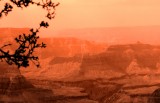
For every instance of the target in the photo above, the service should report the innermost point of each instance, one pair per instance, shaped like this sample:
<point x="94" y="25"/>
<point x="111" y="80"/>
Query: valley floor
<point x="125" y="89"/>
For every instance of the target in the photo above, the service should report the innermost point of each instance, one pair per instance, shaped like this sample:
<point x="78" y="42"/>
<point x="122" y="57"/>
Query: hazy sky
<point x="89" y="13"/>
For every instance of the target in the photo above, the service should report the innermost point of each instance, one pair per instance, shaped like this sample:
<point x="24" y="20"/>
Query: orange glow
<point x="74" y="14"/>
<point x="96" y="51"/>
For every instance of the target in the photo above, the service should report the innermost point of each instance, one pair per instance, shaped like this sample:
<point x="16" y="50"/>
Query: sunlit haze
<point x="94" y="51"/>
<point x="75" y="14"/>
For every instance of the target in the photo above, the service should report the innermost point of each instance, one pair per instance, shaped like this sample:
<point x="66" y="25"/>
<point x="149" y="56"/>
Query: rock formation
<point x="155" y="97"/>
<point x="14" y="88"/>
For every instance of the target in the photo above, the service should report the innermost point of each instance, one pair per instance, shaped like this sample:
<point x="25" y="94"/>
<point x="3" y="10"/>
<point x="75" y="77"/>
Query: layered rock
<point x="69" y="47"/>
<point x="116" y="61"/>
<point x="155" y="96"/>
<point x="15" y="88"/>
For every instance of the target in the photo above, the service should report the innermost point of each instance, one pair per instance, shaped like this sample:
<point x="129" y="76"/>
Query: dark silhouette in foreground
<point x="13" y="86"/>
<point x="155" y="97"/>
<point x="27" y="43"/>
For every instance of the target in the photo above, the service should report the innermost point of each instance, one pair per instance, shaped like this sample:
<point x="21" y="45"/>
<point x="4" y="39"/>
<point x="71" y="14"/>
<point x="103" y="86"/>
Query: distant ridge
<point x="109" y="35"/>
<point x="12" y="32"/>
<point x="116" y="35"/>
<point x="56" y="46"/>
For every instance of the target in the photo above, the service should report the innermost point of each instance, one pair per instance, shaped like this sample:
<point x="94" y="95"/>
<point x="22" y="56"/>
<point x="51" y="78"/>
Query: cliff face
<point x="68" y="47"/>
<point x="12" y="84"/>
<point x="121" y="58"/>
<point x="15" y="88"/>
<point x="60" y="54"/>
<point x="114" y="62"/>
<point x="80" y="71"/>
<point x="62" y="57"/>
<point x="61" y="46"/>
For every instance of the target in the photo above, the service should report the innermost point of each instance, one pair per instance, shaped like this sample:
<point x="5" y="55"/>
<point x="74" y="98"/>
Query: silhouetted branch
<point x="45" y="4"/>
<point x="7" y="8"/>
<point x="26" y="43"/>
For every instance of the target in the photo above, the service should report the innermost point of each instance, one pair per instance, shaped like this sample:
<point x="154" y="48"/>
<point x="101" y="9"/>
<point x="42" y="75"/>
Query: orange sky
<point x="89" y="13"/>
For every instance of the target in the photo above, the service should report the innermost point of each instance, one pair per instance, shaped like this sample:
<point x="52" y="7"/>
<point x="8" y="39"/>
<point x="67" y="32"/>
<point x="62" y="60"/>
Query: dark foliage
<point x="27" y="43"/>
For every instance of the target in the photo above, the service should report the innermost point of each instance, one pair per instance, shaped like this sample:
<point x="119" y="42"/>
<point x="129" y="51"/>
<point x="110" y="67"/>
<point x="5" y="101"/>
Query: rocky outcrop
<point x="116" y="61"/>
<point x="14" y="88"/>
<point x="56" y="46"/>
<point x="134" y="68"/>
<point x="121" y="58"/>
<point x="155" y="97"/>
<point x="69" y="47"/>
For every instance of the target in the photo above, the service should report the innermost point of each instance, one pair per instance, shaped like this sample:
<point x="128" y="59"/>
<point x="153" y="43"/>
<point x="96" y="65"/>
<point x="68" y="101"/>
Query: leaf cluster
<point x="48" y="5"/>
<point x="27" y="43"/>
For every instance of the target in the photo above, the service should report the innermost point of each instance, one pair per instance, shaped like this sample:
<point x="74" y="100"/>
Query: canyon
<point x="75" y="70"/>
